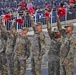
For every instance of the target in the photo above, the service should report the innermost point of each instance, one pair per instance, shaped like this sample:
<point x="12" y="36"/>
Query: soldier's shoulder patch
<point x="42" y="36"/>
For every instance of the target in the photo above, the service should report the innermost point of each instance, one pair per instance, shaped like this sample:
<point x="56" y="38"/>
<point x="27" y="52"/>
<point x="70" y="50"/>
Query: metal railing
<point x="8" y="4"/>
<point x="39" y="17"/>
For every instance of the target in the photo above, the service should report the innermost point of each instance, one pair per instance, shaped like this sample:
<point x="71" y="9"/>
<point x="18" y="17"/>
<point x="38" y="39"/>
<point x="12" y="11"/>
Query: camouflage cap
<point x="69" y="25"/>
<point x="39" y="23"/>
<point x="25" y="28"/>
<point x="55" y="30"/>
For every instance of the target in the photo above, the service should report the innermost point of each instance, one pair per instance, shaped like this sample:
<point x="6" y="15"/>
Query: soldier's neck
<point x="24" y="35"/>
<point x="39" y="31"/>
<point x="69" y="34"/>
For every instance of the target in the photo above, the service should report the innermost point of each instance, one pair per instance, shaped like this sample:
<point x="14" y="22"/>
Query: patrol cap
<point x="39" y="24"/>
<point x="69" y="25"/>
<point x="25" y="28"/>
<point x="55" y="30"/>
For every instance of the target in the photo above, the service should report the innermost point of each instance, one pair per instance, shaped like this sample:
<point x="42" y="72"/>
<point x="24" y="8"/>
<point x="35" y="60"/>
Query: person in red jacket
<point x="72" y="1"/>
<point x="23" y="5"/>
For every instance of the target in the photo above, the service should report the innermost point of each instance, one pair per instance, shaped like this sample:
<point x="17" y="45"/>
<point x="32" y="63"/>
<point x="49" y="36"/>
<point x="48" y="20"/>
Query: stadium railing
<point x="39" y="17"/>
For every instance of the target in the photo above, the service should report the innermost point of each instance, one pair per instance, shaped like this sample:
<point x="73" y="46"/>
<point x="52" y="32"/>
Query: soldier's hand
<point x="57" y="16"/>
<point x="65" y="63"/>
<point x="3" y="21"/>
<point x="24" y="58"/>
<point x="13" y="20"/>
<point x="40" y="57"/>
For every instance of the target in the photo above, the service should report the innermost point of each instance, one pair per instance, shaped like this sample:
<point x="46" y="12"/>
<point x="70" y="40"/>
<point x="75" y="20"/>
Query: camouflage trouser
<point x="54" y="67"/>
<point x="19" y="67"/>
<point x="36" y="66"/>
<point x="10" y="63"/>
<point x="69" y="69"/>
<point x="3" y="64"/>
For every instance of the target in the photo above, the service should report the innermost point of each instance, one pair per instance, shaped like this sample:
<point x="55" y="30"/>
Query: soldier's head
<point x="69" y="28"/>
<point x="57" y="35"/>
<point x="24" y="31"/>
<point x="39" y="27"/>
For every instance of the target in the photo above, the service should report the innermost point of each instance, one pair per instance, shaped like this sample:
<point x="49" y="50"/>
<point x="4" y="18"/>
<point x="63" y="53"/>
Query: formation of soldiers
<point x="15" y="49"/>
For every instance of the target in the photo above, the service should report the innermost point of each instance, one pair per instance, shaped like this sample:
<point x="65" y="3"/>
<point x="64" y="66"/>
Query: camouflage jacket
<point x="2" y="39"/>
<point x="72" y="51"/>
<point x="55" y="43"/>
<point x="10" y="43"/>
<point x="10" y="39"/>
<point x="68" y="47"/>
<point x="38" y="44"/>
<point x="38" y="48"/>
<point x="22" y="47"/>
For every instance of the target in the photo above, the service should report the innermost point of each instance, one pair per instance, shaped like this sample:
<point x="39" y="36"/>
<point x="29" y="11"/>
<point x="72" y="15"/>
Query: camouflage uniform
<point x="63" y="49"/>
<point x="10" y="49"/>
<point x="54" y="53"/>
<point x="22" y="49"/>
<point x="10" y="53"/>
<point x="38" y="50"/>
<point x="3" y="61"/>
<point x="67" y="52"/>
<point x="70" y="56"/>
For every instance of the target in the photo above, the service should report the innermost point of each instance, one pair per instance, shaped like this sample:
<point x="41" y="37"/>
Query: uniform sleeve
<point x="70" y="56"/>
<point x="42" y="40"/>
<point x="12" y="25"/>
<point x="49" y="27"/>
<point x="4" y="31"/>
<point x="28" y="49"/>
<point x="50" y="32"/>
<point x="74" y="43"/>
<point x="59" y="25"/>
<point x="33" y="24"/>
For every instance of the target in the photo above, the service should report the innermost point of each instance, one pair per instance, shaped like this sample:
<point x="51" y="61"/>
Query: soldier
<point x="62" y="48"/>
<point x="54" y="51"/>
<point x="22" y="52"/>
<point x="67" y="49"/>
<point x="3" y="61"/>
<point x="10" y="47"/>
<point x="69" y="60"/>
<point x="38" y="48"/>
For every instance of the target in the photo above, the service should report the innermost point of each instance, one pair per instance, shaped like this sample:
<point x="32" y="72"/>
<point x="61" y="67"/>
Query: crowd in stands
<point x="46" y="4"/>
<point x="23" y="6"/>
